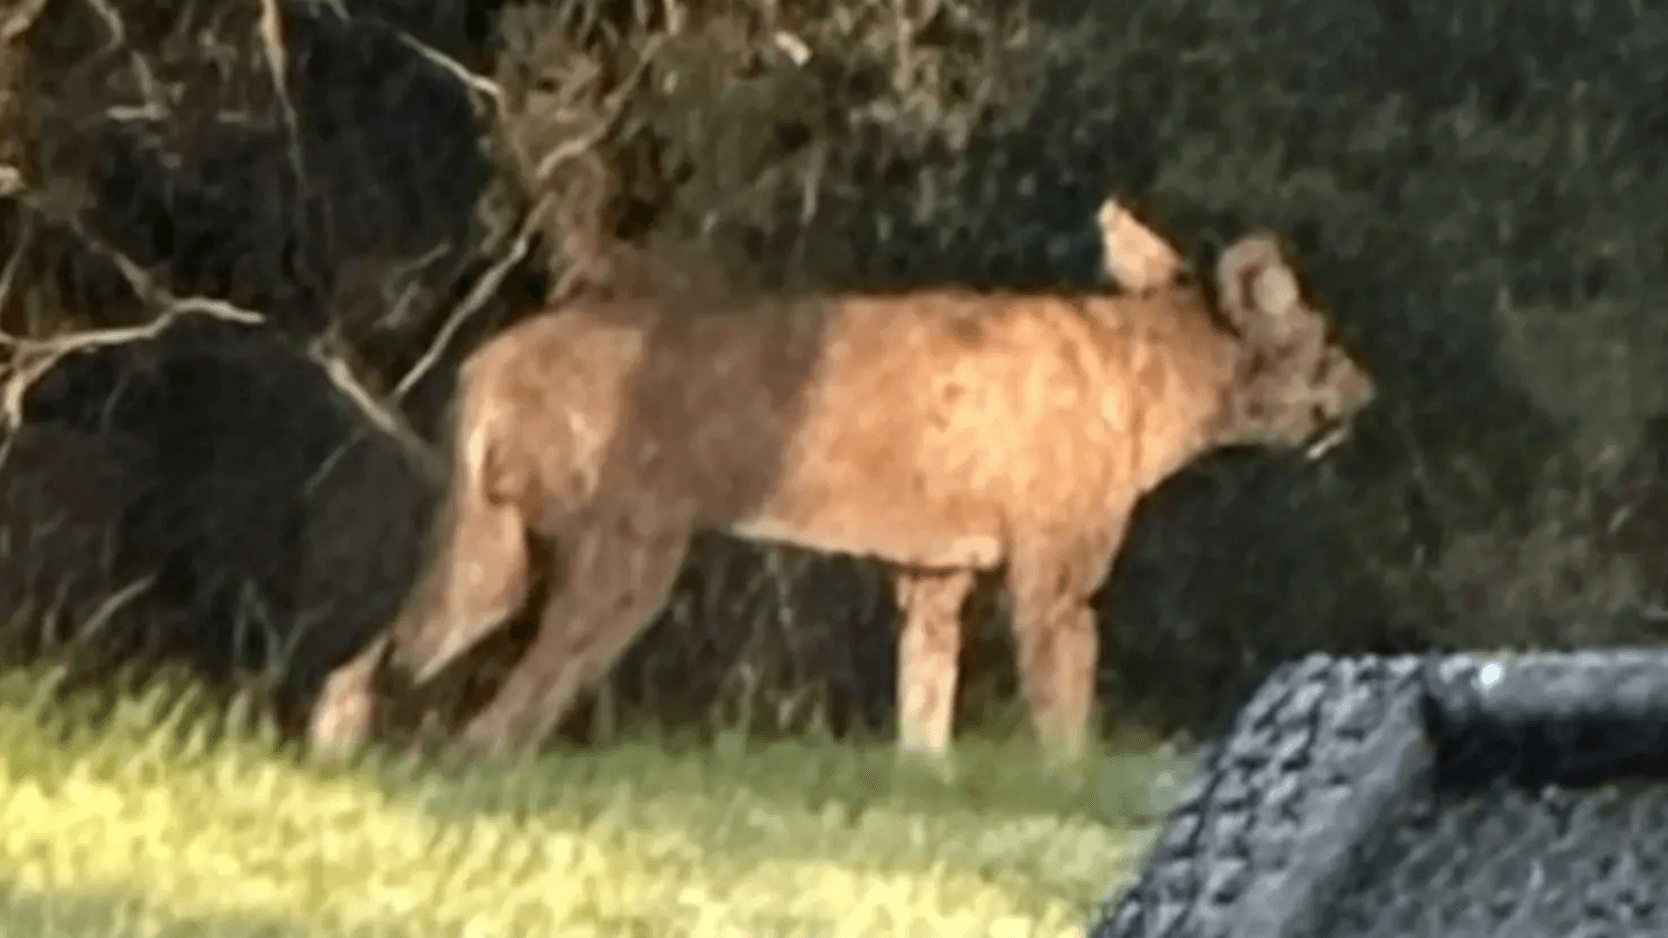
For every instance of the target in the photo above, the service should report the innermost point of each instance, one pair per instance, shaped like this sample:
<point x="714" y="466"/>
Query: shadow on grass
<point x="117" y="913"/>
<point x="990" y="778"/>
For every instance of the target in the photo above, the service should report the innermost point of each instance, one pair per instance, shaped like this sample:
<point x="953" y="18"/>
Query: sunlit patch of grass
<point x="145" y="824"/>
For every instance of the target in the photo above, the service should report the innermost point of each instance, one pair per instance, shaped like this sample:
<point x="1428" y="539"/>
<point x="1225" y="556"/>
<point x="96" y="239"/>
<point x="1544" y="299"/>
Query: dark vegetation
<point x="321" y="207"/>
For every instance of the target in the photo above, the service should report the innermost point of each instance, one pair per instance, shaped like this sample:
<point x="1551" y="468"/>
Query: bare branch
<point x="8" y="277"/>
<point x="21" y="19"/>
<point x="272" y="45"/>
<point x="489" y="281"/>
<point x="480" y="84"/>
<point x="111" y="605"/>
<point x="32" y="358"/>
<point x="613" y="108"/>
<point x="145" y="288"/>
<point x="112" y="21"/>
<point x="386" y="419"/>
<point x="472" y="303"/>
<point x="142" y="75"/>
<point x="130" y="114"/>
<point x="395" y="282"/>
<point x="24" y="360"/>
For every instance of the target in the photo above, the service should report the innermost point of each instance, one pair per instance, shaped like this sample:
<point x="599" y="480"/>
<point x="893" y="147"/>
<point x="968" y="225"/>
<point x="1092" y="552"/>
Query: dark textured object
<point x="60" y="494"/>
<point x="1458" y="796"/>
<point x="364" y="177"/>
<point x="278" y="524"/>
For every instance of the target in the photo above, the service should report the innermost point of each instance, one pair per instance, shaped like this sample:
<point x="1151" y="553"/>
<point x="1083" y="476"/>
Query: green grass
<point x="145" y="825"/>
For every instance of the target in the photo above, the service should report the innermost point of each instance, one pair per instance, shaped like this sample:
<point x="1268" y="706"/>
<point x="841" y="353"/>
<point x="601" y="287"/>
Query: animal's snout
<point x="1352" y="390"/>
<point x="1362" y="391"/>
<point x="1346" y="386"/>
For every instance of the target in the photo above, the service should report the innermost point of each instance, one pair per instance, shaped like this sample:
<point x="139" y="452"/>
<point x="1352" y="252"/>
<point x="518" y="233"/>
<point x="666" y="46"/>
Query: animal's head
<point x="1295" y="385"/>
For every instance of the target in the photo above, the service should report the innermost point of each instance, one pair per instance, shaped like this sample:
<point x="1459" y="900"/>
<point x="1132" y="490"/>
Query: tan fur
<point x="1136" y="258"/>
<point x="943" y="432"/>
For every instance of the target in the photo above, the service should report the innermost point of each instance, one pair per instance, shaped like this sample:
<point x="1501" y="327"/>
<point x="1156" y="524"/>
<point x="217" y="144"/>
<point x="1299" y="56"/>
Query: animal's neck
<point x="1217" y="421"/>
<point x="1243" y="417"/>
<point x="1189" y="394"/>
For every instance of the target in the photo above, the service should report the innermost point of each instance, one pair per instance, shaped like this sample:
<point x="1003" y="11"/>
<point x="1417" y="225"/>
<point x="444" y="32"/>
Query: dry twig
<point x="276" y="56"/>
<point x="21" y="19"/>
<point x="29" y="359"/>
<point x="613" y="108"/>
<point x="493" y="277"/>
<point x="141" y="69"/>
<point x="482" y="291"/>
<point x="24" y="360"/>
<point x="480" y="84"/>
<point x="8" y="276"/>
<point x="387" y="419"/>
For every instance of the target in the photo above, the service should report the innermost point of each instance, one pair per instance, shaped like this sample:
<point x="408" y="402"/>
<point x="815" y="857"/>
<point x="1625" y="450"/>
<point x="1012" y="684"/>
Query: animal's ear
<point x="1257" y="288"/>
<point x="1135" y="257"/>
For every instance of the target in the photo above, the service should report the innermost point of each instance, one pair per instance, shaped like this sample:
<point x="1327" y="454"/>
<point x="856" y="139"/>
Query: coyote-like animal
<point x="943" y="432"/>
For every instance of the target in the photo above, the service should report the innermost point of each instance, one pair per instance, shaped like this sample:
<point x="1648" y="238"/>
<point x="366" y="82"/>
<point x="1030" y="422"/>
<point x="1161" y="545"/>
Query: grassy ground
<point x="144" y="824"/>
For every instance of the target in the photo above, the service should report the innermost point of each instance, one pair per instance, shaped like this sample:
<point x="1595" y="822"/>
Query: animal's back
<point x="539" y="406"/>
<point x="996" y="388"/>
<point x="936" y="423"/>
<point x="635" y="395"/>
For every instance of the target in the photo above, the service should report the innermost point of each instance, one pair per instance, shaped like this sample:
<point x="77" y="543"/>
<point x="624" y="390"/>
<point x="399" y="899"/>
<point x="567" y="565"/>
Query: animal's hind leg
<point x="341" y="717"/>
<point x="928" y="651"/>
<point x="1050" y="581"/>
<point x="619" y="562"/>
<point x="478" y="579"/>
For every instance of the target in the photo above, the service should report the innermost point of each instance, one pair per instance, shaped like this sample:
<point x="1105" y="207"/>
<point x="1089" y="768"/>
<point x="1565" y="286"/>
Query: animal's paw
<point x="341" y="721"/>
<point x="936" y="763"/>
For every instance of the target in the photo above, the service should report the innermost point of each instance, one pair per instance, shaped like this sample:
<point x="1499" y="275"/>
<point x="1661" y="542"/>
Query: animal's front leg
<point x="928" y="648"/>
<point x="620" y="564"/>
<point x="1050" y="580"/>
<point x="478" y="580"/>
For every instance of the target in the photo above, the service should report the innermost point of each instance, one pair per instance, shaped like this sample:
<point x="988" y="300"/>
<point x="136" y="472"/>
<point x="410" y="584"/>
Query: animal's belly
<point x="899" y="536"/>
<point x="880" y="491"/>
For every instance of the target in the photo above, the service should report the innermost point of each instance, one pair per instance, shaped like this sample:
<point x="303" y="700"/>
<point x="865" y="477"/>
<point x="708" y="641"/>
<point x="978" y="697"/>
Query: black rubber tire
<point x="1460" y="796"/>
